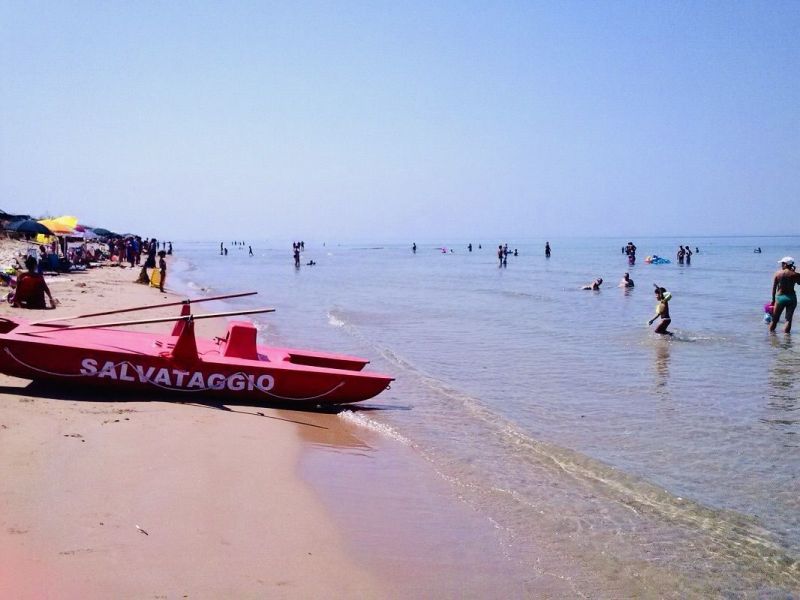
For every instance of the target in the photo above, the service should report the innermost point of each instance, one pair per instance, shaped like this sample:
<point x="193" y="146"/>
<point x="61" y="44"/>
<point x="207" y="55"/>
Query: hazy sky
<point x="403" y="120"/>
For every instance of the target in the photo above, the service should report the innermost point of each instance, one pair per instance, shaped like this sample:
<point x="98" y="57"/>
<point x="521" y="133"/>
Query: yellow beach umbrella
<point x="57" y="226"/>
<point x="68" y="221"/>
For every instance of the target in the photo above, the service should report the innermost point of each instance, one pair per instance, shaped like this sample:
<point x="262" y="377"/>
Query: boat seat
<point x="241" y="341"/>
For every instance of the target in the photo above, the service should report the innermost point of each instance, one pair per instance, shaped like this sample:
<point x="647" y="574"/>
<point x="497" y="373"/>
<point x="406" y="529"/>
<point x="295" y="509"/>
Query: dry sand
<point x="108" y="497"/>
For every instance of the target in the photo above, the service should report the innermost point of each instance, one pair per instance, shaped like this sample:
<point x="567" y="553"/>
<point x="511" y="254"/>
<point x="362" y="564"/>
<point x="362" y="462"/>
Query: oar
<point x="135" y="308"/>
<point x="164" y="319"/>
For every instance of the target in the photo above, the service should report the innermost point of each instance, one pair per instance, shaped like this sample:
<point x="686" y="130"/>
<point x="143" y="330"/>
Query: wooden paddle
<point x="135" y="308"/>
<point x="163" y="319"/>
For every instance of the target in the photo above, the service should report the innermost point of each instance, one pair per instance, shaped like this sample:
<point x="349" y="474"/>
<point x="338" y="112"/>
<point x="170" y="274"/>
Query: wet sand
<point x="126" y="496"/>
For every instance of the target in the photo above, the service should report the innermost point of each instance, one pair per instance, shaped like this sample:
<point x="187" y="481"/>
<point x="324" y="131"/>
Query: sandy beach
<point x="142" y="498"/>
<point x="137" y="497"/>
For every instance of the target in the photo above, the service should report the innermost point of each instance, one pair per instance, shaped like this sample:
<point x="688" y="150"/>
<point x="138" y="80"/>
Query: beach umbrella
<point x="67" y="221"/>
<point x="56" y="226"/>
<point x="103" y="232"/>
<point x="28" y="226"/>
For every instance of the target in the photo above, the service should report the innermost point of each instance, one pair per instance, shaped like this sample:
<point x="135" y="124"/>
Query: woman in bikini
<point x="783" y="294"/>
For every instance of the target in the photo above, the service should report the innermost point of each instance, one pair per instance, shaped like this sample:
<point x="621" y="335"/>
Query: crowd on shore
<point x="26" y="263"/>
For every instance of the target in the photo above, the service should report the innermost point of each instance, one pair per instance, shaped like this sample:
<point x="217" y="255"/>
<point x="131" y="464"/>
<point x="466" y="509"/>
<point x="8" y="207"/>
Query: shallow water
<point x="556" y="411"/>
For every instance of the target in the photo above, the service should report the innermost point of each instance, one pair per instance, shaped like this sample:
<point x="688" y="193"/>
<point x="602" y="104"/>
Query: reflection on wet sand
<point x="662" y="349"/>
<point x="784" y="393"/>
<point x="328" y="432"/>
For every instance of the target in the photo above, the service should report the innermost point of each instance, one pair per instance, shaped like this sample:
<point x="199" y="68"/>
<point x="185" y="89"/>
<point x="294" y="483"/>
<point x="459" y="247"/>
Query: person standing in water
<point x="783" y="294"/>
<point x="162" y="266"/>
<point x="626" y="282"/>
<point x="547" y="249"/>
<point x="688" y="255"/>
<point x="250" y="250"/>
<point x="662" y="310"/>
<point x="414" y="247"/>
<point x="681" y="255"/>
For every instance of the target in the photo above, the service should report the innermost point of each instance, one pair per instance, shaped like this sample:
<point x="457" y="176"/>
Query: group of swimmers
<point x="662" y="296"/>
<point x="685" y="254"/>
<point x="784" y="297"/>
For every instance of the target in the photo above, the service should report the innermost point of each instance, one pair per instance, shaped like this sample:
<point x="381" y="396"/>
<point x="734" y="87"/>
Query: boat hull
<point x="147" y="362"/>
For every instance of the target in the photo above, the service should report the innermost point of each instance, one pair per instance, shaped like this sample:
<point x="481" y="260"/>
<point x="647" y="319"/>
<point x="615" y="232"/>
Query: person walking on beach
<point x="250" y="250"/>
<point x="783" y="294"/>
<point x="547" y="249"/>
<point x="162" y="266"/>
<point x="662" y="310"/>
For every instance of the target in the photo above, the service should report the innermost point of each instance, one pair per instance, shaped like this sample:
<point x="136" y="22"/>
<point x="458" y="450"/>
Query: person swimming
<point x="595" y="285"/>
<point x="662" y="310"/>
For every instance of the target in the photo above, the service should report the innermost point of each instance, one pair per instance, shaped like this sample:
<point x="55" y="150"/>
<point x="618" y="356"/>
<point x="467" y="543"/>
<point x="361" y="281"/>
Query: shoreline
<point x="216" y="490"/>
<point x="398" y="518"/>
<point x="126" y="496"/>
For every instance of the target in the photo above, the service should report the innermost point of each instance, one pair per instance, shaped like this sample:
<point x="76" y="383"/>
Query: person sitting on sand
<point x="595" y="285"/>
<point x="783" y="294"/>
<point x="662" y="310"/>
<point x="626" y="282"/>
<point x="32" y="288"/>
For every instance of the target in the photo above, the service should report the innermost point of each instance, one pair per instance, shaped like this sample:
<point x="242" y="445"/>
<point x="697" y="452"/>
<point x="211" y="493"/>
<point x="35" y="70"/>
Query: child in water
<point x="662" y="310"/>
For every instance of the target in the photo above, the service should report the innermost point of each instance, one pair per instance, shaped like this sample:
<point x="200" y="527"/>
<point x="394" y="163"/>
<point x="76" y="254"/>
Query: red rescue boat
<point x="234" y="367"/>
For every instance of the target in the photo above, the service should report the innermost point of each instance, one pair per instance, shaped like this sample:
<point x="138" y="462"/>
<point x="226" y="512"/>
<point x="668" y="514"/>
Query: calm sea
<point x="557" y="412"/>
